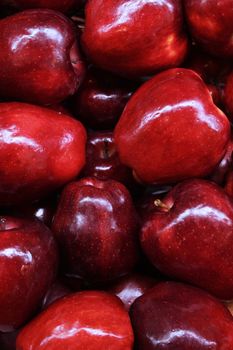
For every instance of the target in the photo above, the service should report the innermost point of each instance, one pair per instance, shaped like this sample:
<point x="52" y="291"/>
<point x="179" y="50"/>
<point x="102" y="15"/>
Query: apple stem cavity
<point x="160" y="205"/>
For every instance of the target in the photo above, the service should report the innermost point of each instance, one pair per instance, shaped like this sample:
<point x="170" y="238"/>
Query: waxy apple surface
<point x="211" y="24"/>
<point x="168" y="132"/>
<point x="40" y="60"/>
<point x="64" y="6"/>
<point x="174" y="316"/>
<point x="86" y="320"/>
<point x="40" y="150"/>
<point x="96" y="227"/>
<point x="28" y="265"/>
<point x="134" y="38"/>
<point x="191" y="239"/>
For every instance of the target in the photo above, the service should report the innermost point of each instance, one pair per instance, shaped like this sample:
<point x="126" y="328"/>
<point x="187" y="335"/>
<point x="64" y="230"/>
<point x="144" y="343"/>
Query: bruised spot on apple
<point x="174" y="316"/>
<point x="171" y="130"/>
<point x="40" y="150"/>
<point x="40" y="61"/>
<point x="134" y="38"/>
<point x="28" y="265"/>
<point x="192" y="240"/>
<point x="85" y="320"/>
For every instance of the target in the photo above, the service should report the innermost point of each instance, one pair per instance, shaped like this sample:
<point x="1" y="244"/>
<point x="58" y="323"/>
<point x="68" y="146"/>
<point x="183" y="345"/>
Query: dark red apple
<point x="102" y="160"/>
<point x="174" y="316"/>
<point x="101" y="99"/>
<point x="222" y="170"/>
<point x="131" y="287"/>
<point x="65" y="6"/>
<point x="228" y="96"/>
<point x="86" y="320"/>
<point x="28" y="264"/>
<point x="57" y="291"/>
<point x="40" y="60"/>
<point x="134" y="38"/>
<point x="229" y="183"/>
<point x="40" y="150"/>
<point x="211" y="24"/>
<point x="192" y="238"/>
<point x="168" y="133"/>
<point x="96" y="226"/>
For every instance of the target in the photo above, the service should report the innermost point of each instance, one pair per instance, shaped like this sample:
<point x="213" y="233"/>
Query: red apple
<point x="222" y="170"/>
<point x="101" y="99"/>
<point x="40" y="150"/>
<point x="96" y="227"/>
<point x="173" y="316"/>
<point x="65" y="6"/>
<point x="28" y="264"/>
<point x="192" y="238"/>
<point x="134" y="38"/>
<point x="40" y="60"/>
<point x="57" y="291"/>
<point x="211" y="24"/>
<point x="102" y="160"/>
<point x="131" y="287"/>
<point x="168" y="133"/>
<point x="86" y="320"/>
<point x="228" y="96"/>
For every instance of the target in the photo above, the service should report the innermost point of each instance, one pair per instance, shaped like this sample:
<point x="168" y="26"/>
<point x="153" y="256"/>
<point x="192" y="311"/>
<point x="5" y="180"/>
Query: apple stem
<point x="159" y="204"/>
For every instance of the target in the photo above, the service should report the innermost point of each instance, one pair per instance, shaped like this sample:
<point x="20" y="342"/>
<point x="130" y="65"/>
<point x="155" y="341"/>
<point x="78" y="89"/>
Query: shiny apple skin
<point x="211" y="24"/>
<point x="101" y="99"/>
<point x="102" y="160"/>
<point x="40" y="61"/>
<point x="131" y="287"/>
<point x="193" y="239"/>
<point x="57" y="291"/>
<point x="174" y="316"/>
<point x="64" y="6"/>
<point x="28" y="265"/>
<point x="85" y="320"/>
<point x="173" y="126"/>
<point x="40" y="150"/>
<point x="134" y="38"/>
<point x="96" y="227"/>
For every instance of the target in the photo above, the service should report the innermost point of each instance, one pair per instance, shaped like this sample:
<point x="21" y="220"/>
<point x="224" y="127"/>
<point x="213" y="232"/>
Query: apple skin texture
<point x="64" y="6"/>
<point x="171" y="130"/>
<point x="83" y="321"/>
<point x="174" y="316"/>
<point x="211" y="25"/>
<point x="192" y="240"/>
<point x="115" y="30"/>
<point x="96" y="227"/>
<point x="28" y="266"/>
<point x="40" y="150"/>
<point x="40" y="60"/>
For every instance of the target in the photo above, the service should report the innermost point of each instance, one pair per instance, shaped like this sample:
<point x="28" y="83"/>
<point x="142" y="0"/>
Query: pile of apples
<point x="116" y="175"/>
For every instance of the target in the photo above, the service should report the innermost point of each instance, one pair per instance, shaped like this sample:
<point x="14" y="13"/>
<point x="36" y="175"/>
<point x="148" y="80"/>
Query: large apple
<point x="134" y="38"/>
<point x="40" y="150"/>
<point x="191" y="239"/>
<point x="40" y="60"/>
<point x="171" y="130"/>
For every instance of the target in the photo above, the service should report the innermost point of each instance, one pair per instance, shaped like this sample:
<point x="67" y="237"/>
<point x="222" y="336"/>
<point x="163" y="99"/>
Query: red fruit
<point x="57" y="291"/>
<point x="211" y="24"/>
<point x="134" y="38"/>
<point x="40" y="60"/>
<point x="165" y="131"/>
<point x="173" y="316"/>
<point x="28" y="263"/>
<point x="193" y="239"/>
<point x="224" y="167"/>
<point x="40" y="150"/>
<point x="228" y="96"/>
<point x="86" y="320"/>
<point x="96" y="226"/>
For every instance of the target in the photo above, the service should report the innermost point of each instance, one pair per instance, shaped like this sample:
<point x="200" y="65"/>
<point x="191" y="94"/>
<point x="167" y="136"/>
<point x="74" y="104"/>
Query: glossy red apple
<point x="40" y="150"/>
<point x="28" y="264"/>
<point x="191" y="239"/>
<point x="86" y="320"/>
<point x="174" y="316"/>
<point x="131" y="287"/>
<point x="102" y="160"/>
<point x="165" y="131"/>
<point x="57" y="291"/>
<point x="96" y="227"/>
<point x="40" y="60"/>
<point x="134" y="38"/>
<point x="65" y="6"/>
<point x="101" y="99"/>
